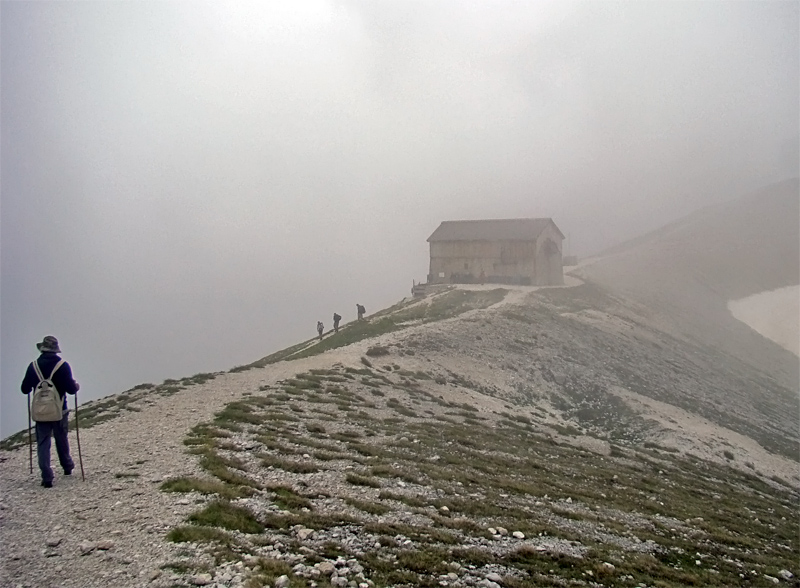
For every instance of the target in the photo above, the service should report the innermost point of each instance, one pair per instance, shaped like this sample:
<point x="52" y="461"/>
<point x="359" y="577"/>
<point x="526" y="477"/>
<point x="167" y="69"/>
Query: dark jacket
<point x="62" y="380"/>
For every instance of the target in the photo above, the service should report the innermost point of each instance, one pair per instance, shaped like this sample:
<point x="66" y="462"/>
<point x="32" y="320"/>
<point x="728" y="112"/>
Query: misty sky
<point x="187" y="187"/>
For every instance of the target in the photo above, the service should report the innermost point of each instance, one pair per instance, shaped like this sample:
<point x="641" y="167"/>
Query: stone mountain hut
<point x="524" y="251"/>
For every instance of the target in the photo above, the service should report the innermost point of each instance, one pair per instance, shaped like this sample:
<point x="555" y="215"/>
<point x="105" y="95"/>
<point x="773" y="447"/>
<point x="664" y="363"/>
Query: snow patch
<point x="774" y="314"/>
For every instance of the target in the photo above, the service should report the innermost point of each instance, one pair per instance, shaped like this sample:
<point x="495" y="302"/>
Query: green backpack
<point x="47" y="404"/>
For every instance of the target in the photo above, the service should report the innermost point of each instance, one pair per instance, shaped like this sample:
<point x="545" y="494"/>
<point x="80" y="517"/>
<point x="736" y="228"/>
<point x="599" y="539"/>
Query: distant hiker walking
<point x="361" y="310"/>
<point x="320" y="328"/>
<point x="50" y="379"/>
<point x="336" y="319"/>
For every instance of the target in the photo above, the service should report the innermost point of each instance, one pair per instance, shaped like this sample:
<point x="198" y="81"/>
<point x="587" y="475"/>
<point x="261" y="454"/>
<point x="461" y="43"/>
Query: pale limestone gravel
<point x="130" y="511"/>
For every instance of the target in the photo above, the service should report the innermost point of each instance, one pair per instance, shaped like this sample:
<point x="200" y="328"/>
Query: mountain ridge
<point x="585" y="435"/>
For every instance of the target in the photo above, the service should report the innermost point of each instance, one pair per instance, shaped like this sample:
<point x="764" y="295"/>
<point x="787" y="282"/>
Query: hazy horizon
<point x="187" y="187"/>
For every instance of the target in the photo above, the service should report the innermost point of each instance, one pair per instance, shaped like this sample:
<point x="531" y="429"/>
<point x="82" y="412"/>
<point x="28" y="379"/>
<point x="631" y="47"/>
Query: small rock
<point x="304" y="534"/>
<point x="105" y="544"/>
<point x="53" y="541"/>
<point x="494" y="577"/>
<point x="518" y="535"/>
<point x="609" y="567"/>
<point x="282" y="581"/>
<point x="326" y="568"/>
<point x="772" y="579"/>
<point x="492" y="531"/>
<point x="502" y="531"/>
<point x="444" y="509"/>
<point x="86" y="547"/>
<point x="786" y="574"/>
<point x="201" y="579"/>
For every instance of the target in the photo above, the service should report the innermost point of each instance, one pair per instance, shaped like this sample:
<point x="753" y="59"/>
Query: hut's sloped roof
<point x="514" y="229"/>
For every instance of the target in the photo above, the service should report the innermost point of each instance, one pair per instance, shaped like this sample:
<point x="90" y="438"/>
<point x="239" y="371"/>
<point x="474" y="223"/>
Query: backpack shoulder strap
<point x="37" y="369"/>
<point x="55" y="369"/>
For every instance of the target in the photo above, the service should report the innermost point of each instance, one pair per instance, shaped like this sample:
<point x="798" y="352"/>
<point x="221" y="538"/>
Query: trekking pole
<point x="30" y="439"/>
<point x="78" y="437"/>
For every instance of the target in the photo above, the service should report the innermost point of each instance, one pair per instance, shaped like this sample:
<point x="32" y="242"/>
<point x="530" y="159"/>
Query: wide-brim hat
<point x="49" y="344"/>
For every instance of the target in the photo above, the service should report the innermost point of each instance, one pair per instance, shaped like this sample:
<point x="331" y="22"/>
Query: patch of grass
<point x="238" y="413"/>
<point x="197" y="534"/>
<point x="373" y="508"/>
<point x="347" y="435"/>
<point x="415" y="501"/>
<point x="388" y="471"/>
<point x="358" y="480"/>
<point x="217" y="466"/>
<point x="293" y="466"/>
<point x="198" y="379"/>
<point x="288" y="499"/>
<point x="189" y="484"/>
<point x="221" y="513"/>
<point x="377" y="351"/>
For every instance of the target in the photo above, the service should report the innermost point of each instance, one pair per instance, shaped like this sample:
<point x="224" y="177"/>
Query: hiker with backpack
<point x="360" y="310"/>
<point x="320" y="328"/>
<point x="336" y="319"/>
<point x="50" y="379"/>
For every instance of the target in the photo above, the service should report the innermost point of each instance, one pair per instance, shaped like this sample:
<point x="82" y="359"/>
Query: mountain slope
<point x="589" y="435"/>
<point x="494" y="447"/>
<point x="689" y="271"/>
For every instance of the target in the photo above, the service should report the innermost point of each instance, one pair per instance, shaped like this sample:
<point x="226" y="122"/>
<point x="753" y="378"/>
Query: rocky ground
<point x="557" y="437"/>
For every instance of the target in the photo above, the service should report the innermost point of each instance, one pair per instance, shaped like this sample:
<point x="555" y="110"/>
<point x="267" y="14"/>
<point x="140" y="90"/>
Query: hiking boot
<point x="68" y="472"/>
<point x="47" y="484"/>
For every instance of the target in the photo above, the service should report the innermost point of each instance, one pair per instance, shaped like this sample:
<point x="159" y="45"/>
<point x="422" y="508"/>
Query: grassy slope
<point x="416" y="495"/>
